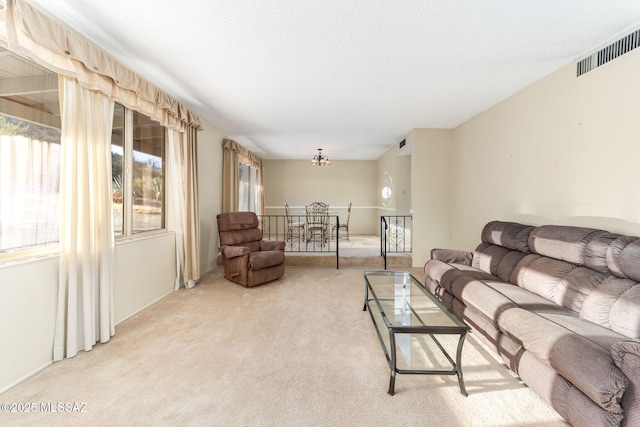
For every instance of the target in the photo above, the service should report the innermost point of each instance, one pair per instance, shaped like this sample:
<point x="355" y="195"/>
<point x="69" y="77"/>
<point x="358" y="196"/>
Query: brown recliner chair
<point x="247" y="259"/>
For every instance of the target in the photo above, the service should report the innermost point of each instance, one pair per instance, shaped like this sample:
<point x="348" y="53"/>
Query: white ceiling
<point x="285" y="77"/>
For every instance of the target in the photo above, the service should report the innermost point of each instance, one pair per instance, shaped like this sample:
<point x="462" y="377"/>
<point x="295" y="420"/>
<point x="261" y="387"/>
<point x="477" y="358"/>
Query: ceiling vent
<point x="610" y="52"/>
<point x="403" y="143"/>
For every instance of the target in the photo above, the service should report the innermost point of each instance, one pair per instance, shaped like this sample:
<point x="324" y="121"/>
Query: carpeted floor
<point x="296" y="352"/>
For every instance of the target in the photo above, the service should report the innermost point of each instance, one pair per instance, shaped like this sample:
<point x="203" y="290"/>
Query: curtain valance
<point x="53" y="44"/>
<point x="244" y="155"/>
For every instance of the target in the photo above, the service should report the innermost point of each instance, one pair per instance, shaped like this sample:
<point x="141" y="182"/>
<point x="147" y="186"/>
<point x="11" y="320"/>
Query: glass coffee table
<point x="415" y="329"/>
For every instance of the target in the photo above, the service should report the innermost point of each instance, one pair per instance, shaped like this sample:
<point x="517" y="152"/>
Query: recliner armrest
<point x="272" y="245"/>
<point x="235" y="251"/>
<point x="452" y="256"/>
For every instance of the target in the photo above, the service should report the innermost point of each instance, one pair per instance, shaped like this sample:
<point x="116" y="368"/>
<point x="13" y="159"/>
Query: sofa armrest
<point x="626" y="355"/>
<point x="235" y="251"/>
<point x="272" y="245"/>
<point x="452" y="256"/>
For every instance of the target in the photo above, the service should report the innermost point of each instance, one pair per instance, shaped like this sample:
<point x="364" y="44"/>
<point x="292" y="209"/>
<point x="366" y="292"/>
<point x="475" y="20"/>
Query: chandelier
<point x="320" y="159"/>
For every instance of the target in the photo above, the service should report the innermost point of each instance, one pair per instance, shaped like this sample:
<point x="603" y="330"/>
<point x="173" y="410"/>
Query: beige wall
<point x="564" y="151"/>
<point x="28" y="295"/>
<point x="387" y="172"/>
<point x="209" y="192"/>
<point x="403" y="185"/>
<point x="298" y="183"/>
<point x="431" y="191"/>
<point x="144" y="272"/>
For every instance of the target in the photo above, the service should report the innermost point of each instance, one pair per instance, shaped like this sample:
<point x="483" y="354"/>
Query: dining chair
<point x="335" y="230"/>
<point x="295" y="227"/>
<point x="317" y="221"/>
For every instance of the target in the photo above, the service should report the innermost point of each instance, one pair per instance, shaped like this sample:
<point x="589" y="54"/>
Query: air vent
<point x="403" y="143"/>
<point x="610" y="52"/>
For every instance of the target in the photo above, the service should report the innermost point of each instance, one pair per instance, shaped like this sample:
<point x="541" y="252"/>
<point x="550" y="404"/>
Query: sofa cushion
<point x="564" y="283"/>
<point x="483" y="299"/>
<point x="583" y="363"/>
<point x="595" y="253"/>
<point x="600" y="336"/>
<point x="510" y="235"/>
<point x="563" y="396"/>
<point x="487" y="332"/>
<point x="528" y="300"/>
<point x="441" y="293"/>
<point x="623" y="256"/>
<point x="445" y="274"/>
<point x="496" y="260"/>
<point x="562" y="242"/>
<point x="626" y="354"/>
<point x="615" y="304"/>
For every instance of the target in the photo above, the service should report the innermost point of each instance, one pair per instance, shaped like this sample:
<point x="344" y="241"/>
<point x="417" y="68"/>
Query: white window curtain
<point x="29" y="170"/>
<point x="181" y="158"/>
<point x="85" y="295"/>
<point x="85" y="309"/>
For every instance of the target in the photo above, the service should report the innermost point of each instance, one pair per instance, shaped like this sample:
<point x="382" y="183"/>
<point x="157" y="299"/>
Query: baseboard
<point x="144" y="307"/>
<point x="27" y="376"/>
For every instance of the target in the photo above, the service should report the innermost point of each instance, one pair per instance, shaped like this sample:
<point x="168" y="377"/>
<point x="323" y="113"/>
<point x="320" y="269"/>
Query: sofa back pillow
<point x="567" y="243"/>
<point x="615" y="304"/>
<point x="595" y="253"/>
<point x="503" y="245"/>
<point x="564" y="283"/>
<point x="496" y="260"/>
<point x="510" y="235"/>
<point x="623" y="257"/>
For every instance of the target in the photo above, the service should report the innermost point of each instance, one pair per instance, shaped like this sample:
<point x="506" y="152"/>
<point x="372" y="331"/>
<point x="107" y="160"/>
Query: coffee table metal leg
<point x="366" y="297"/>
<point x="392" y="349"/>
<point x="463" y="390"/>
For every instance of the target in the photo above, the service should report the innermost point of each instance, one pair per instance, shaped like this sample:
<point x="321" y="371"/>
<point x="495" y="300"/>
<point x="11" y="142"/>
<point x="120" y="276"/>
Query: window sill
<point x="142" y="236"/>
<point x="10" y="259"/>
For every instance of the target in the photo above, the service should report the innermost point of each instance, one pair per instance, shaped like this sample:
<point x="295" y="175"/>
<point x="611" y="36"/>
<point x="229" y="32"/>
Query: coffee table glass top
<point x="422" y="334"/>
<point x="405" y="302"/>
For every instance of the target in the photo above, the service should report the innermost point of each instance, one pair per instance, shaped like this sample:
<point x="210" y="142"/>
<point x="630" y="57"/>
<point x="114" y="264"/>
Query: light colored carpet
<point x="296" y="352"/>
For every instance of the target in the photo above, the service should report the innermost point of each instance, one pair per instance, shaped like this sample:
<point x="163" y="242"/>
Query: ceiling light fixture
<point x="320" y="159"/>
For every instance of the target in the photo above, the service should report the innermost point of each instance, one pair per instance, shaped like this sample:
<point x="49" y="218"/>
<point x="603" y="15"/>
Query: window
<point x="30" y="162"/>
<point x="138" y="162"/>
<point x="29" y="155"/>
<point x="117" y="173"/>
<point x="247" y="188"/>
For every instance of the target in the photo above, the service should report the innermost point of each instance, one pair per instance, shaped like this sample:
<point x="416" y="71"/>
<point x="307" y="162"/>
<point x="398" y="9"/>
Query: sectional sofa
<point x="561" y="306"/>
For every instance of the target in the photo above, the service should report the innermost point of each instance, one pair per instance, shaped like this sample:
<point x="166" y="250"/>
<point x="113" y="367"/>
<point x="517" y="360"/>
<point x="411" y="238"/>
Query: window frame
<point x="127" y="169"/>
<point x="28" y="253"/>
<point x="252" y="188"/>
